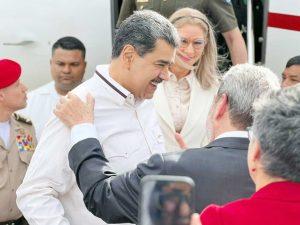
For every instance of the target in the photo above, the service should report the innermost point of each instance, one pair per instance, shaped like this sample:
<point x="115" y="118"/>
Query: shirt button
<point x="10" y="210"/>
<point x="13" y="190"/>
<point x="10" y="170"/>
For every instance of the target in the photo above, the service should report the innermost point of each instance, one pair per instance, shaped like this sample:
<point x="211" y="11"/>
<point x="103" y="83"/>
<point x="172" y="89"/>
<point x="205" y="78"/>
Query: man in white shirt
<point x="219" y="169"/>
<point x="125" y="121"/>
<point x="67" y="69"/>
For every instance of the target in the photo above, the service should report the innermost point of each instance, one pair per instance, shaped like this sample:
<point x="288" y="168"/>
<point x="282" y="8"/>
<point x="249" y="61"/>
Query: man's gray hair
<point x="277" y="128"/>
<point x="142" y="30"/>
<point x="243" y="84"/>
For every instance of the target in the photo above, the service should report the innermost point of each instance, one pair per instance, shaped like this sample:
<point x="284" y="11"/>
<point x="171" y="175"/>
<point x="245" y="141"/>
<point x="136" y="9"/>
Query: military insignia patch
<point x="24" y="142"/>
<point x="22" y="119"/>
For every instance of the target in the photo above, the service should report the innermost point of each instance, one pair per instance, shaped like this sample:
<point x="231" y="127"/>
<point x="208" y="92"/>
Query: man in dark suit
<point x="219" y="169"/>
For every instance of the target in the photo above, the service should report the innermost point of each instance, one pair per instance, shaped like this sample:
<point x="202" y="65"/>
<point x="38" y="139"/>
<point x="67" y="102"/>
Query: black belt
<point x="20" y="221"/>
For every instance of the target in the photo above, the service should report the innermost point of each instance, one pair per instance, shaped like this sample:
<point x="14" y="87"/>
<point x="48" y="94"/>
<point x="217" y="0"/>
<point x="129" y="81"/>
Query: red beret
<point x="10" y="72"/>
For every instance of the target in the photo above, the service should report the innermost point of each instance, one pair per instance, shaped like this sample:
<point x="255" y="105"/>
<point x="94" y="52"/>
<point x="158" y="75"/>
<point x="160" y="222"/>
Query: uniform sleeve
<point x="127" y="8"/>
<point x="211" y="215"/>
<point x="48" y="176"/>
<point x="222" y="14"/>
<point x="112" y="197"/>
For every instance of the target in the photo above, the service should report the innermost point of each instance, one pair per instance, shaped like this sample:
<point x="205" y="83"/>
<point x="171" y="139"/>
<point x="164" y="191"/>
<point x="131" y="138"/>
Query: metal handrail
<point x="250" y="34"/>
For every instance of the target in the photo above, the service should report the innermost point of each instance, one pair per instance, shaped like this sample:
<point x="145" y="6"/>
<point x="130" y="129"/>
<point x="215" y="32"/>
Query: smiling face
<point x="67" y="69"/>
<point x="148" y="71"/>
<point x="192" y="43"/>
<point x="291" y="76"/>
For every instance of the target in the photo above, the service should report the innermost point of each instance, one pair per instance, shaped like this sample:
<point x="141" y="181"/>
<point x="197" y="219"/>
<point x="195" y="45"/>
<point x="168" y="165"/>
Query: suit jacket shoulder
<point x="219" y="170"/>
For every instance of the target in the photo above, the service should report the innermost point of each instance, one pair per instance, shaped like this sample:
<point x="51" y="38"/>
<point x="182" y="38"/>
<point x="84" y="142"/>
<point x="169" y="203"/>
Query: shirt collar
<point x="242" y="134"/>
<point x="4" y="124"/>
<point x="14" y="124"/>
<point x="48" y="89"/>
<point x="125" y="97"/>
<point x="189" y="78"/>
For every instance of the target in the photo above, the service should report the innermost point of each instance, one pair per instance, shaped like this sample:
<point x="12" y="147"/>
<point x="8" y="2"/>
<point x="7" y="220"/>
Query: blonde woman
<point x="183" y="102"/>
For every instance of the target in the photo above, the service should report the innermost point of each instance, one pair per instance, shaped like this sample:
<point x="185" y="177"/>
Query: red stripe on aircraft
<point x="284" y="21"/>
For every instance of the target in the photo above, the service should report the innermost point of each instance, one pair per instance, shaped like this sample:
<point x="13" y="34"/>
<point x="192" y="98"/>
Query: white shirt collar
<point x="241" y="134"/>
<point x="125" y="95"/>
<point x="189" y="78"/>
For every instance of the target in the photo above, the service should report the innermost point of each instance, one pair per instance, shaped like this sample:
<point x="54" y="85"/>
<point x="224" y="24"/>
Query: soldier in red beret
<point x="17" y="141"/>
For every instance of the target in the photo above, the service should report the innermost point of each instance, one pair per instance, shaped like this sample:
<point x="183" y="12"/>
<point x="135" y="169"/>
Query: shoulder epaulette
<point x="22" y="119"/>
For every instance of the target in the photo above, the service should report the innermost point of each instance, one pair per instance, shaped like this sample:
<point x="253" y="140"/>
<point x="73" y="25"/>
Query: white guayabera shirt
<point x="128" y="131"/>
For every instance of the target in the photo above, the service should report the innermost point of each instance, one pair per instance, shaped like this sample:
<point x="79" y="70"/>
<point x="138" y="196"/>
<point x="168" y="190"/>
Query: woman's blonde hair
<point x="206" y="69"/>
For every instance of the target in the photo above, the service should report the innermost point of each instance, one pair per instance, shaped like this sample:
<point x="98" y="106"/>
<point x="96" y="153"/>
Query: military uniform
<point x="220" y="12"/>
<point x="14" y="161"/>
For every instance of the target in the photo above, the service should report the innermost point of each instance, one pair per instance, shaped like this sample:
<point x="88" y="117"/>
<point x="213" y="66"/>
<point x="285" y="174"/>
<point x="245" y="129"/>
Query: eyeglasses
<point x="197" y="44"/>
<point x="250" y="133"/>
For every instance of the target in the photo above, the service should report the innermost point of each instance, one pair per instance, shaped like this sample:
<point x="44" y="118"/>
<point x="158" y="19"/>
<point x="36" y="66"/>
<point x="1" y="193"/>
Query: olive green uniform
<point x="14" y="161"/>
<point x="220" y="12"/>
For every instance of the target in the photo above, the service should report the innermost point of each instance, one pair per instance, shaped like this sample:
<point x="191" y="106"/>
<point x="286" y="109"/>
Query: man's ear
<point x="127" y="56"/>
<point x="255" y="155"/>
<point x="254" y="158"/>
<point x="221" y="107"/>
